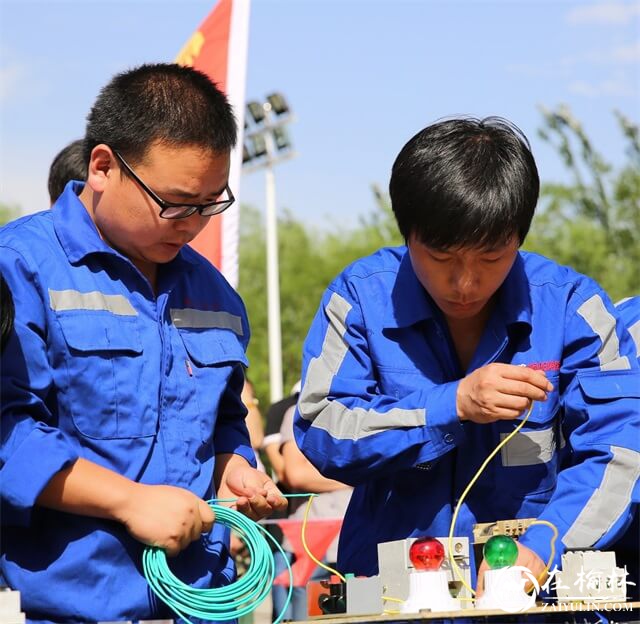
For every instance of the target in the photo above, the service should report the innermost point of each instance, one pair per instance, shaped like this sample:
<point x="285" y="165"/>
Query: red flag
<point x="219" y="49"/>
<point x="322" y="533"/>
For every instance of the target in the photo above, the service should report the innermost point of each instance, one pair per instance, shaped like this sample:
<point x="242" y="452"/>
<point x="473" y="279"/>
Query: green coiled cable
<point x="231" y="601"/>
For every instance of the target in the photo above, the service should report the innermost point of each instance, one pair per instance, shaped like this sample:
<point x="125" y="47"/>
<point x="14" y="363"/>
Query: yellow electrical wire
<point x="454" y="565"/>
<point x="552" y="554"/>
<point x="390" y="599"/>
<point x="306" y="548"/>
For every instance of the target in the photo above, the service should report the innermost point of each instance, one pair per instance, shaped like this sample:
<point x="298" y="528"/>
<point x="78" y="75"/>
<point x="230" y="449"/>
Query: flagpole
<point x="219" y="48"/>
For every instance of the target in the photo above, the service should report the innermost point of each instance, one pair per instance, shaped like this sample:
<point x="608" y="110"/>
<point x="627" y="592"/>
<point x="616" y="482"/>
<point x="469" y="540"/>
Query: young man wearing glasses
<point x="121" y="408"/>
<point x="422" y="358"/>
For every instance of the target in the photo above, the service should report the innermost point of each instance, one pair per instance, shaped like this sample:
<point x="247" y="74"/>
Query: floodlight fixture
<point x="259" y="145"/>
<point x="246" y="154"/>
<point x="278" y="104"/>
<point x="281" y="138"/>
<point x="257" y="111"/>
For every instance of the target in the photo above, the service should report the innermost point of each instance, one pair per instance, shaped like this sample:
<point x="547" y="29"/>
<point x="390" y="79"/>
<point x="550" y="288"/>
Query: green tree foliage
<point x="593" y="223"/>
<point x="8" y="212"/>
<point x="308" y="262"/>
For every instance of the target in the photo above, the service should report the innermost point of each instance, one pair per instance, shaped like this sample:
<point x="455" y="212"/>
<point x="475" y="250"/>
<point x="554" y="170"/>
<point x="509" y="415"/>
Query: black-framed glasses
<point x="180" y="210"/>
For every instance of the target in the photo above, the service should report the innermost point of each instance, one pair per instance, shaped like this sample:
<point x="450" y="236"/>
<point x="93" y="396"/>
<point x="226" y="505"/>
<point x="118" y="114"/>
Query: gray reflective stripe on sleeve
<point x="608" y="502"/>
<point x="66" y="300"/>
<point x="206" y="319"/>
<point x="634" y="330"/>
<point x="528" y="448"/>
<point x="602" y="322"/>
<point x="336" y="419"/>
<point x="313" y="396"/>
<point x="343" y="423"/>
<point x="619" y="303"/>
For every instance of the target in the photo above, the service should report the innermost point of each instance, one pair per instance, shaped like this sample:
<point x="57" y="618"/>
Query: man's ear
<point x="102" y="167"/>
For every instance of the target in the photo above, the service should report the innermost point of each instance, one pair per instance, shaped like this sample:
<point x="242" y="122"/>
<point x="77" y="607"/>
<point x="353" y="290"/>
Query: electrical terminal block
<point x="590" y="576"/>
<point x="512" y="528"/>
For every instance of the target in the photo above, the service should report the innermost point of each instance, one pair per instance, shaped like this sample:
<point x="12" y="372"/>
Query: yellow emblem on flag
<point x="191" y="49"/>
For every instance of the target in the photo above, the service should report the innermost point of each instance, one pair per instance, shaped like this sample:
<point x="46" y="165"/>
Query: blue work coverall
<point x="629" y="311"/>
<point x="99" y="367"/>
<point x="378" y="409"/>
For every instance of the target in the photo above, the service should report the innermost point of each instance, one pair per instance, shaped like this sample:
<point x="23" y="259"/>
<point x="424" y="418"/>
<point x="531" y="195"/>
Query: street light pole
<point x="273" y="277"/>
<point x="266" y="151"/>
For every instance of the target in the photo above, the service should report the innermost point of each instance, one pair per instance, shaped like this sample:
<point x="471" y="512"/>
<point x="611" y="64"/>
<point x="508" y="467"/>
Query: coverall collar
<point x="78" y="234"/>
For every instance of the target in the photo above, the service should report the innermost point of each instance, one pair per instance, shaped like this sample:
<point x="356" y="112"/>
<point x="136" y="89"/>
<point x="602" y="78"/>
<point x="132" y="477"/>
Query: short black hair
<point x="163" y="102"/>
<point x="7" y="313"/>
<point x="465" y="182"/>
<point x="69" y="164"/>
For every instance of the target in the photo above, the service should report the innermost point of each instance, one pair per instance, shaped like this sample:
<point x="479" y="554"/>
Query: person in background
<point x="256" y="434"/>
<point x="253" y="419"/>
<point x="272" y="442"/>
<point x="121" y="385"/>
<point x="272" y="449"/>
<point x="68" y="164"/>
<point x="331" y="503"/>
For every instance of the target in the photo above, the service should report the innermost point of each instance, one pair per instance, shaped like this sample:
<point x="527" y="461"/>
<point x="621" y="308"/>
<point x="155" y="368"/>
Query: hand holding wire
<point x="239" y="597"/>
<point x="499" y="392"/>
<point x="255" y="494"/>
<point x="167" y="517"/>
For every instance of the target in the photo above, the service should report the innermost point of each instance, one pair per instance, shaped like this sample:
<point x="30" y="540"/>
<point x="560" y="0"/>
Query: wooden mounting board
<point x="624" y="611"/>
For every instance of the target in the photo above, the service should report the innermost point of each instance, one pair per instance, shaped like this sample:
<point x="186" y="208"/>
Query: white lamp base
<point x="504" y="589"/>
<point x="429" y="590"/>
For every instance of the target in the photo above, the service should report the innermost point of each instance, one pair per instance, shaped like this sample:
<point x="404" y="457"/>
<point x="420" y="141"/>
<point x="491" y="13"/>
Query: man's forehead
<point x="160" y="149"/>
<point x="482" y="248"/>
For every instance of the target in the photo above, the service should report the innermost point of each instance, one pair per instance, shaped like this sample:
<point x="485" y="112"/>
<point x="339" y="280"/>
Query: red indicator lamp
<point x="426" y="553"/>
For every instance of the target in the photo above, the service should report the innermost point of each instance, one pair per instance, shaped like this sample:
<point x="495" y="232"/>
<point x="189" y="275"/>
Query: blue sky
<point x="362" y="76"/>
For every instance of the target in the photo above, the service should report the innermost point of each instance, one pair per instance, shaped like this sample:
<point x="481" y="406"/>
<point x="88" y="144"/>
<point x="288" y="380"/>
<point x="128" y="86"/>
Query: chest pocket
<point x="213" y="355"/>
<point x="529" y="461"/>
<point x="398" y="383"/>
<point x="104" y="367"/>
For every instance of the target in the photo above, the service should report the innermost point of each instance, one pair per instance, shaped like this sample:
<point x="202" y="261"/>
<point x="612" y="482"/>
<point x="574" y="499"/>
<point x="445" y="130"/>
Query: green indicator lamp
<point x="500" y="551"/>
